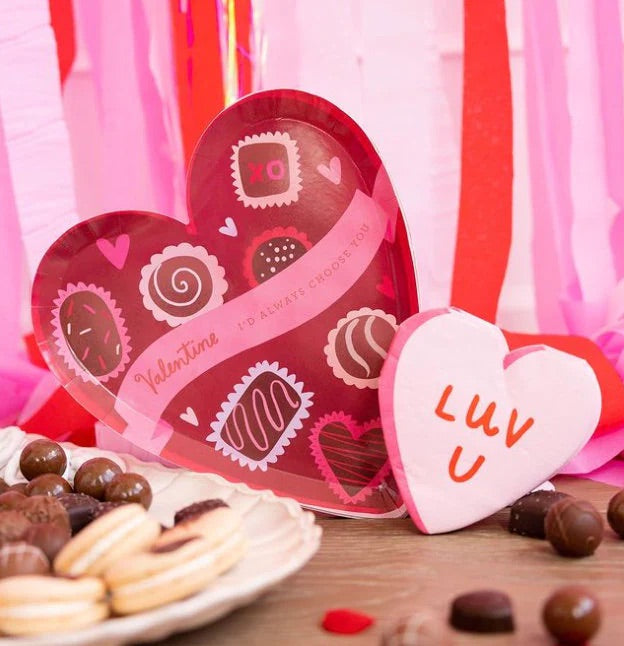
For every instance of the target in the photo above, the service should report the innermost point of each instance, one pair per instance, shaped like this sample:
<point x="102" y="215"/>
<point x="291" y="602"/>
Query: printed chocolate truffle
<point x="129" y="487"/>
<point x="22" y="558"/>
<point x="615" y="513"/>
<point x="572" y="616"/>
<point x="42" y="456"/>
<point x="94" y="475"/>
<point x="48" y="484"/>
<point x="484" y="611"/>
<point x="574" y="527"/>
<point x="45" y="509"/>
<point x="358" y="346"/>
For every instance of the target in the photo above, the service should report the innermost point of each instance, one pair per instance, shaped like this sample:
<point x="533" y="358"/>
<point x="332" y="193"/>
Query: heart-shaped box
<point x="471" y="426"/>
<point x="223" y="345"/>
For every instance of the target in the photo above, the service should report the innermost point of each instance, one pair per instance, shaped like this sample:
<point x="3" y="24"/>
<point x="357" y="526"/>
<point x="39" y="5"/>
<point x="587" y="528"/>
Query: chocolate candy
<point x="529" y="512"/>
<point x="94" y="475"/>
<point x="129" y="487"/>
<point x="419" y="629"/>
<point x="45" y="509"/>
<point x="484" y="611"/>
<point x="198" y="508"/>
<point x="12" y="525"/>
<point x="615" y="513"/>
<point x="572" y="616"/>
<point x="22" y="558"/>
<point x="3" y="486"/>
<point x="80" y="509"/>
<point x="42" y="456"/>
<point x="19" y="487"/>
<point x="47" y="537"/>
<point x="48" y="484"/>
<point x="105" y="507"/>
<point x="11" y="500"/>
<point x="574" y="527"/>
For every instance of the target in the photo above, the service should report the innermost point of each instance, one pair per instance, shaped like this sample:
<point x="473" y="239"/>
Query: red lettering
<point x="512" y="435"/>
<point x="484" y="420"/>
<point x="275" y="164"/>
<point x="478" y="463"/>
<point x="439" y="411"/>
<point x="256" y="172"/>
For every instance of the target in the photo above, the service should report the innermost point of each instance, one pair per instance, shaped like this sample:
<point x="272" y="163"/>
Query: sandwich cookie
<point x="169" y="572"/>
<point x="33" y="604"/>
<point x="121" y="532"/>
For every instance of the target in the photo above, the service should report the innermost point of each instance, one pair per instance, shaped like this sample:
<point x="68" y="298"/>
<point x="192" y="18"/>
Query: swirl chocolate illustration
<point x="89" y="331"/>
<point x="272" y="252"/>
<point x="358" y="346"/>
<point x="182" y="282"/>
<point x="261" y="416"/>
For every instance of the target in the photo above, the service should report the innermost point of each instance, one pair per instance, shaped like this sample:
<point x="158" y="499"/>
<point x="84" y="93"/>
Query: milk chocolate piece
<point x="19" y="487"/>
<point x="48" y="484"/>
<point x="94" y="475"/>
<point x="484" y="611"/>
<point x="4" y="486"/>
<point x="11" y="500"/>
<point x="22" y="558"/>
<point x="42" y="456"/>
<point x="45" y="509"/>
<point x="80" y="509"/>
<point x="529" y="512"/>
<point x="572" y="616"/>
<point x="198" y="508"/>
<point x="129" y="487"/>
<point x="574" y="527"/>
<point x="49" y="538"/>
<point x="13" y="524"/>
<point x="615" y="513"/>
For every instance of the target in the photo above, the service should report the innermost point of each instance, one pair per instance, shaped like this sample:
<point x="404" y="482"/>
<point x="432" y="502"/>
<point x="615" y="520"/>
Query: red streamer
<point x="62" y="20"/>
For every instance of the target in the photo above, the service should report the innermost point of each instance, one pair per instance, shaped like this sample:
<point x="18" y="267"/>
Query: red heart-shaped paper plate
<point x="248" y="343"/>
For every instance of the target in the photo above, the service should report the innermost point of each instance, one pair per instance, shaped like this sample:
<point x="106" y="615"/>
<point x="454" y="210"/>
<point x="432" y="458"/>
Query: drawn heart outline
<point x="470" y="427"/>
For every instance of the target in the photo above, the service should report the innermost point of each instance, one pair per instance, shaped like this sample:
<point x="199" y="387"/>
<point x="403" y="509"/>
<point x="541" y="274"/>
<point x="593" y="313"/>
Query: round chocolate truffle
<point x="80" y="508"/>
<point x="21" y="558"/>
<point x="572" y="616"/>
<point x="574" y="527"/>
<point x="94" y="475"/>
<point x="12" y="525"/>
<point x="11" y="500"/>
<point x="48" y="484"/>
<point x="42" y="456"/>
<point x="615" y="513"/>
<point x="483" y="611"/>
<point x="45" y="509"/>
<point x="129" y="487"/>
<point x="49" y="538"/>
<point x="419" y="629"/>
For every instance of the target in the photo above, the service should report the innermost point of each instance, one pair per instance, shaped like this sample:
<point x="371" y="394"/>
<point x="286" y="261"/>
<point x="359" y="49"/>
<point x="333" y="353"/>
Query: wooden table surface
<point x="386" y="569"/>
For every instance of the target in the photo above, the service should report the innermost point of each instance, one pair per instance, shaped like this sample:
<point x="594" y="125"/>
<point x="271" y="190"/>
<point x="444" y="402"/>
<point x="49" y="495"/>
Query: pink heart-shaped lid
<point x="250" y="342"/>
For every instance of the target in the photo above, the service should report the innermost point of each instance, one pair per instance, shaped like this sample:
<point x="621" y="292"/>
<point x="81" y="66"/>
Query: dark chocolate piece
<point x="94" y="475"/>
<point x="484" y="611"/>
<point x="22" y="558"/>
<point x="574" y="527"/>
<point x="13" y="524"/>
<point x="48" y="484"/>
<point x="615" y="513"/>
<point x="42" y="456"/>
<point x="49" y="538"/>
<point x="80" y="509"/>
<point x="572" y="616"/>
<point x="129" y="487"/>
<point x="528" y="514"/>
<point x="105" y="507"/>
<point x="198" y="508"/>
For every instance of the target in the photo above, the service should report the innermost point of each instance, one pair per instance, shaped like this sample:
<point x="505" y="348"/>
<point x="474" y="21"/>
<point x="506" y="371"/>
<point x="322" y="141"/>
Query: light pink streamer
<point x="140" y="162"/>
<point x="549" y="158"/>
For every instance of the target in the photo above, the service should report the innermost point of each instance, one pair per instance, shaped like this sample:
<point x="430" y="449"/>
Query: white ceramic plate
<point x="282" y="538"/>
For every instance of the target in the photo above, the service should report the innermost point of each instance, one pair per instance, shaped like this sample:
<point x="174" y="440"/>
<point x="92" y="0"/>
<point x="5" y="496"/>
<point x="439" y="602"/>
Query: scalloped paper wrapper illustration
<point x="248" y="343"/>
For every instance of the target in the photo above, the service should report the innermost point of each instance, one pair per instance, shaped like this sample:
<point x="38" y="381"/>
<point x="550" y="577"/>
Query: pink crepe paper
<point x="549" y="157"/>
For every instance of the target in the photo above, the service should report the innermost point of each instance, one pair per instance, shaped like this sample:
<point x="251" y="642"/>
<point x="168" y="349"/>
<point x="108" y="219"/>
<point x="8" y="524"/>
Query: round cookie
<point x="121" y="532"/>
<point x="50" y="604"/>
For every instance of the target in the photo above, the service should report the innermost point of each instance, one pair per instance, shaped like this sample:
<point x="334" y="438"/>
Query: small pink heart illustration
<point x="470" y="426"/>
<point x="117" y="252"/>
<point x="229" y="229"/>
<point x="333" y="172"/>
<point x="352" y="457"/>
<point x="189" y="416"/>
